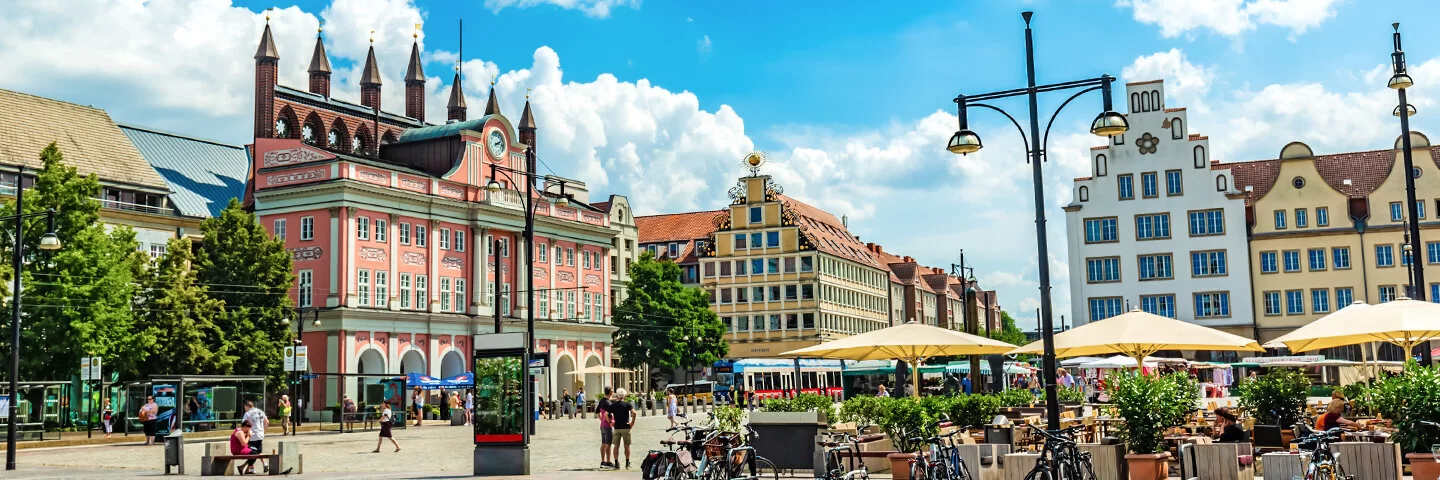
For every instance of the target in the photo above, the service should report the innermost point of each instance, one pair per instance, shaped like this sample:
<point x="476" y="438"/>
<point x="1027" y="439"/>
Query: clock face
<point x="495" y="142"/>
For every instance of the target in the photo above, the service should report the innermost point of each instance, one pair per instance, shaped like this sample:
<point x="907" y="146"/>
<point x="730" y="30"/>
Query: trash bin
<point x="175" y="452"/>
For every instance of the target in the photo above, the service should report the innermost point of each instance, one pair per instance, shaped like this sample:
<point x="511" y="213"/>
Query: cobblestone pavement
<point x="563" y="448"/>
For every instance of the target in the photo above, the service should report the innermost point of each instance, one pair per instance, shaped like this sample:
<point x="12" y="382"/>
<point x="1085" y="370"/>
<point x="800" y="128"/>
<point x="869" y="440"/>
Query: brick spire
<point x="320" y="68"/>
<point x="527" y="124"/>
<point x="267" y="71"/>
<point x="455" y="109"/>
<point x="415" y="85"/>
<point x="492" y="106"/>
<point x="370" y="80"/>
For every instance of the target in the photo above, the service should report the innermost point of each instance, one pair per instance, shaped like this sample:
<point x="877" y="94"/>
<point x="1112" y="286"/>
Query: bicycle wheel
<point x="962" y="472"/>
<point x="1040" y="472"/>
<point x="764" y="468"/>
<point x="937" y="471"/>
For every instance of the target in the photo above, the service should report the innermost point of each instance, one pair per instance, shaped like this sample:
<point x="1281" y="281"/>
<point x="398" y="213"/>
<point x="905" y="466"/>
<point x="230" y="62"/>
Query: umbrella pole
<point x="915" y="378"/>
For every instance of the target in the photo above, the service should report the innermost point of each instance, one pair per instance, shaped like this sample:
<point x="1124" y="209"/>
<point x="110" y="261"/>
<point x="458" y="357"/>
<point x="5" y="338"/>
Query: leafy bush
<point x="974" y="410"/>
<point x="1360" y="397"/>
<point x="863" y="410"/>
<point x="1275" y="398"/>
<point x="728" y="418"/>
<point x="1150" y="404"/>
<point x="805" y="402"/>
<point x="904" y="419"/>
<point x="1016" y="397"/>
<point x="1321" y="390"/>
<point x="1070" y="394"/>
<point x="1408" y="398"/>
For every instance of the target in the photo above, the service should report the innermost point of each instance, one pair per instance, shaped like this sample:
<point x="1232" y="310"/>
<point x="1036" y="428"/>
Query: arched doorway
<point x="452" y="364"/>
<point x="563" y="379"/>
<point x="368" y="391"/>
<point x="412" y="362"/>
<point x="594" y="382"/>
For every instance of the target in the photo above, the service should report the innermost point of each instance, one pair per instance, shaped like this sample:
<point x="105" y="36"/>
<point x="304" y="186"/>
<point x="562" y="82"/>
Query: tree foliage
<point x="251" y="272"/>
<point x="659" y="314"/>
<point x="184" y="320"/>
<point x="1008" y="332"/>
<point x="77" y="300"/>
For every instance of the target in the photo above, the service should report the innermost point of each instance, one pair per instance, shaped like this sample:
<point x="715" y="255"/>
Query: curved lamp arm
<point x="1023" y="138"/>
<point x="1045" y="143"/>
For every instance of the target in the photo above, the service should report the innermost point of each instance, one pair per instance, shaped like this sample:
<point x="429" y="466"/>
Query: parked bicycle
<point x="1324" y="463"/>
<point x="942" y="461"/>
<point x="847" y="445"/>
<point x="1061" y="458"/>
<point x="706" y="453"/>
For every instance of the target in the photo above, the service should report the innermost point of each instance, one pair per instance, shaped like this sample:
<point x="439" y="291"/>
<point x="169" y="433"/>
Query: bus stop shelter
<point x="194" y="403"/>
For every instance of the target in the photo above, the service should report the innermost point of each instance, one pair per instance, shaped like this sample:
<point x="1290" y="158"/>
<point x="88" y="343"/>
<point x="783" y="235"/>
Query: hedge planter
<point x="1148" y="466"/>
<point x="781" y="437"/>
<point x="900" y="465"/>
<point x="1423" y="466"/>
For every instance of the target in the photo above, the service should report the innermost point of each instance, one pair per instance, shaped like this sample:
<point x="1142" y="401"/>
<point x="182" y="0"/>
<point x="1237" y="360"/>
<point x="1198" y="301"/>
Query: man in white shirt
<point x="258" y="423"/>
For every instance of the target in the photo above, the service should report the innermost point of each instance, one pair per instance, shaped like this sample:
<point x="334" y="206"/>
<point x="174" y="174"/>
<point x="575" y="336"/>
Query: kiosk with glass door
<point x="501" y="437"/>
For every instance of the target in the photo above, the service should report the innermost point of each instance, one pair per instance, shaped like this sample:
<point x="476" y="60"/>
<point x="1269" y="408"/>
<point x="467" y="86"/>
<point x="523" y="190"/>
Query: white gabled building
<point x="1155" y="227"/>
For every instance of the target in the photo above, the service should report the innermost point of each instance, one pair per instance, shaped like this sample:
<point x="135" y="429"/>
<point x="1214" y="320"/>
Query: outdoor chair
<point x="1267" y="438"/>
<point x="1217" y="461"/>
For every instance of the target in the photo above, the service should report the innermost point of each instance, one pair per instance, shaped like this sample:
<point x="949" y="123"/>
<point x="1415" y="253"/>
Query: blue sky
<point x="659" y="100"/>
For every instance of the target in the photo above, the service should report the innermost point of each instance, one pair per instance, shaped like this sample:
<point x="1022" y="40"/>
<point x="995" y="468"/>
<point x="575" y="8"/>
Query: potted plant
<point x="1407" y="399"/>
<point x="1276" y="398"/>
<point x="801" y="417"/>
<point x="903" y="419"/>
<point x="1150" y="404"/>
<point x="1070" y="395"/>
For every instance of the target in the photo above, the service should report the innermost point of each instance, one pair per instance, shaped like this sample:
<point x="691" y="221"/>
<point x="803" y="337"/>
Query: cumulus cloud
<point x="1230" y="17"/>
<point x="1185" y="83"/>
<point x="593" y="8"/>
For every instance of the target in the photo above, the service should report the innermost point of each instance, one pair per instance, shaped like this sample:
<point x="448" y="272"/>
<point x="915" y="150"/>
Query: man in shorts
<point x="607" y="430"/>
<point x="622" y="417"/>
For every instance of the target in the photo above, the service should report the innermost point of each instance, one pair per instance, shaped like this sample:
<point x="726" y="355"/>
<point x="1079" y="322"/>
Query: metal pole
<point x="18" y="254"/>
<point x="496" y="294"/>
<point x="1052" y="405"/>
<point x="1418" y="280"/>
<point x="529" y="276"/>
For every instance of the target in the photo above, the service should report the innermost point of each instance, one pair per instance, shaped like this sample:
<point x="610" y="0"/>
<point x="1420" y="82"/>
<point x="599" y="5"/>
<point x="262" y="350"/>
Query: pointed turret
<point x="370" y="81"/>
<point x="415" y="85"/>
<point x="267" y="72"/>
<point x="527" y="125"/>
<point x="455" y="108"/>
<point x="320" y="68"/>
<point x="492" y="106"/>
<point x="267" y="51"/>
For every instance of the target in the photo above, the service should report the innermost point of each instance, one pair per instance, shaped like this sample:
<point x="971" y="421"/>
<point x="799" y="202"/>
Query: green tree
<point x="1008" y="332"/>
<point x="251" y="272"/>
<point x="660" y="313"/>
<point x="184" y="321"/>
<point x="77" y="300"/>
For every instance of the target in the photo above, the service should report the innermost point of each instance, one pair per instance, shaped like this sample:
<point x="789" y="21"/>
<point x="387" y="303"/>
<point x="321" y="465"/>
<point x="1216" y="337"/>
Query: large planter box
<point x="1107" y="460"/>
<point x="1423" y="466"/>
<point x="781" y="437"/>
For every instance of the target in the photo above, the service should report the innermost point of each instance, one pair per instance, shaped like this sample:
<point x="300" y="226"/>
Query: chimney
<point x="908" y="259"/>
<point x="845" y="221"/>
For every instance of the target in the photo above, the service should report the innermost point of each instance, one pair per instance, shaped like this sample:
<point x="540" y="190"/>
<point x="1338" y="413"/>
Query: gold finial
<point x="492" y="80"/>
<point x="372" y="36"/>
<point x="267" y="15"/>
<point x="457" y="65"/>
<point x="416" y="33"/>
<point x="320" y="28"/>
<point x="527" y="93"/>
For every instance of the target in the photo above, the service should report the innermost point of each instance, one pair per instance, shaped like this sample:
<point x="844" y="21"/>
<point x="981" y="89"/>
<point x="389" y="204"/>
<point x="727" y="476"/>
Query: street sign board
<point x="95" y="368"/>
<point x="89" y="368"/>
<point x="295" y="359"/>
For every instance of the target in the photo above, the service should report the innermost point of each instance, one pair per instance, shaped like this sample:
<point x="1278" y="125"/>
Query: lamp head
<point x="1409" y="110"/>
<point x="50" y="241"/>
<point x="1109" y="123"/>
<point x="493" y="186"/>
<point x="964" y="142"/>
<point x="1400" y="80"/>
<point x="563" y="201"/>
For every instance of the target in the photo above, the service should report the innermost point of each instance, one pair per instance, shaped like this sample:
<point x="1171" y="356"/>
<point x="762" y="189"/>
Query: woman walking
<point x="283" y="407"/>
<point x="387" y="418"/>
<point x="107" y="417"/>
<point x="671" y="407"/>
<point x="470" y="405"/>
<point x="419" y="405"/>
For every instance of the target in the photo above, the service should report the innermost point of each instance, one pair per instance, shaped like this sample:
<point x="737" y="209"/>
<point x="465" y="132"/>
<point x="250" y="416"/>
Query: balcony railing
<point x="107" y="203"/>
<point x="505" y="198"/>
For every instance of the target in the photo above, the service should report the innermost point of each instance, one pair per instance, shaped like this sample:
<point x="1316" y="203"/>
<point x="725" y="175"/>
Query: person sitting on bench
<point x="240" y="445"/>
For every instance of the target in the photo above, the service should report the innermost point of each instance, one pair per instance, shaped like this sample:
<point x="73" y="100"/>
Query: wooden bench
<point x="222" y="464"/>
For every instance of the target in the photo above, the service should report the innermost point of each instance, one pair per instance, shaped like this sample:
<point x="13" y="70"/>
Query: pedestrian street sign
<point x="90" y="368"/>
<point x="296" y="360"/>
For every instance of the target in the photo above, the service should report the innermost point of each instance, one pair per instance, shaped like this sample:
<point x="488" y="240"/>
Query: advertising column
<point x="501" y="440"/>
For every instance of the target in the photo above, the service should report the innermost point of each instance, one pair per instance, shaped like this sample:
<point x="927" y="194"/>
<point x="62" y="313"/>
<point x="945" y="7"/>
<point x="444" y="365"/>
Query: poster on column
<point x="166" y="420"/>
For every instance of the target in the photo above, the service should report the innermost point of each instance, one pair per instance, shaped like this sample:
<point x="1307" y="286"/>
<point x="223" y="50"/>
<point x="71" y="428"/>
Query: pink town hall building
<point x="394" y="236"/>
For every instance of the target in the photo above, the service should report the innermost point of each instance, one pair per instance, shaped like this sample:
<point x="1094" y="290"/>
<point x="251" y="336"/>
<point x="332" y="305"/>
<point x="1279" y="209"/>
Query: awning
<point x="464" y="380"/>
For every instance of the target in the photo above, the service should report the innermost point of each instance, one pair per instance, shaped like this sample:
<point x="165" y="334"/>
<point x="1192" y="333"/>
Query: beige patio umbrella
<point x="1403" y="322"/>
<point x="599" y="369"/>
<point x="911" y="342"/>
<point x="1137" y="334"/>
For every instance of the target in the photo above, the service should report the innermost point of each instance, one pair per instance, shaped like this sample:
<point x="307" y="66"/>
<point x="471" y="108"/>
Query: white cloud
<point x="1185" y="83"/>
<point x="704" y="46"/>
<point x="593" y="8"/>
<point x="1230" y="17"/>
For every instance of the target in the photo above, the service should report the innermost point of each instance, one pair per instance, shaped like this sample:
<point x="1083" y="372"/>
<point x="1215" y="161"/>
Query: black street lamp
<point x="1107" y="124"/>
<point x="563" y="200"/>
<point x="1401" y="81"/>
<point x="48" y="241"/>
<point x="295" y="413"/>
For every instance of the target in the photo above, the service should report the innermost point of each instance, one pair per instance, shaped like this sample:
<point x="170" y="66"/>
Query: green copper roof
<point x="440" y="131"/>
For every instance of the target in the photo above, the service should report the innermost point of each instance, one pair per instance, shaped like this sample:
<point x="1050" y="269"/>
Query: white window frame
<point x="362" y="287"/>
<point x="280" y="226"/>
<point x="307" y="228"/>
<point x="422" y="292"/>
<point x="304" y="289"/>
<point x="444" y="294"/>
<point x="505" y="299"/>
<point x="444" y="238"/>
<point x="382" y="232"/>
<point x="569" y="257"/>
<point x="382" y="288"/>
<point x="542" y="252"/>
<point x="404" y="233"/>
<point x="460" y="295"/>
<point x="459" y="240"/>
<point x="420" y="232"/>
<point x="405" y="290"/>
<point x="362" y="228"/>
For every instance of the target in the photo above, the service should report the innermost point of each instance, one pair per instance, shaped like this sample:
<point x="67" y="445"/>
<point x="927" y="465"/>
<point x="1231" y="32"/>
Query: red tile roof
<point x="1259" y="175"/>
<point x="1172" y="110"/>
<point x="674" y="227"/>
<point x="1365" y="171"/>
<point x="828" y="234"/>
<point x="601" y="206"/>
